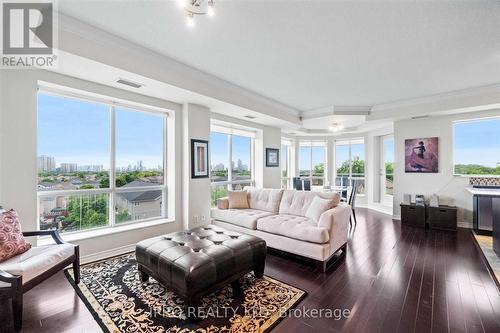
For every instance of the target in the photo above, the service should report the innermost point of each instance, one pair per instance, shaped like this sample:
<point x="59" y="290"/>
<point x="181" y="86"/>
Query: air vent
<point x="250" y="117"/>
<point x="129" y="83"/>
<point x="420" y="117"/>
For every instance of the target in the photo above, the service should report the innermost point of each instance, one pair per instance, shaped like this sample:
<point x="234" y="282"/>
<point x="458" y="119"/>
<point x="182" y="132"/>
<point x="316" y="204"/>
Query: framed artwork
<point x="272" y="157"/>
<point x="422" y="155"/>
<point x="199" y="158"/>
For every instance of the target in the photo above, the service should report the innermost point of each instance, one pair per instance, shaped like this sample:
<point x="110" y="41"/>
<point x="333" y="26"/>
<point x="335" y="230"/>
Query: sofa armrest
<point x="223" y="203"/>
<point x="53" y="233"/>
<point x="336" y="220"/>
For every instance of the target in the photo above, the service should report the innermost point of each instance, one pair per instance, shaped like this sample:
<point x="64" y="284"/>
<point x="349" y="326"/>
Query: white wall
<point x="449" y="188"/>
<point x="18" y="144"/>
<point x="196" y="191"/>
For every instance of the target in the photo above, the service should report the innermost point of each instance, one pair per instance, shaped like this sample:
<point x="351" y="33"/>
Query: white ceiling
<point x="312" y="54"/>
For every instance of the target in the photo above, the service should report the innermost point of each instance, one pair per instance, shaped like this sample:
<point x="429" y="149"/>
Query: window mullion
<point x="230" y="156"/>
<point x="164" y="192"/>
<point x="112" y="167"/>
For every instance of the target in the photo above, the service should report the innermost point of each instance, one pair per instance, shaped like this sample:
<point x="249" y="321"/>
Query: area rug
<point x="113" y="292"/>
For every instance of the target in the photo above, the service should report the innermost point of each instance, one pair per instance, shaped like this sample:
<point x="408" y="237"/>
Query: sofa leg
<point x="17" y="311"/>
<point x="144" y="275"/>
<point x="76" y="265"/>
<point x="339" y="255"/>
<point x="322" y="266"/>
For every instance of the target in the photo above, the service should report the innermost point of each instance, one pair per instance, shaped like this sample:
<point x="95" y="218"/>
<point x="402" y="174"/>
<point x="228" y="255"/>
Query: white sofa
<point x="279" y="217"/>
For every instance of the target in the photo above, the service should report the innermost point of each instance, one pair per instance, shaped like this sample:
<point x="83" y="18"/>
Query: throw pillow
<point x="12" y="241"/>
<point x="238" y="199"/>
<point x="317" y="207"/>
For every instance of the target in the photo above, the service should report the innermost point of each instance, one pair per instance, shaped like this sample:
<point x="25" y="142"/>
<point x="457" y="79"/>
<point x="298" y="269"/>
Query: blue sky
<point x="477" y="142"/>
<point x="219" y="154"/>
<point x="78" y="132"/>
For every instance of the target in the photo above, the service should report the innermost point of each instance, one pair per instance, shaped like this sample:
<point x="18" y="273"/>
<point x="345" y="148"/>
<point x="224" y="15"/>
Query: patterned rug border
<point x="108" y="326"/>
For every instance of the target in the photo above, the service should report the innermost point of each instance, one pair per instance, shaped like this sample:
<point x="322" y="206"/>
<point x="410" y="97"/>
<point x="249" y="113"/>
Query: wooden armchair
<point x="25" y="271"/>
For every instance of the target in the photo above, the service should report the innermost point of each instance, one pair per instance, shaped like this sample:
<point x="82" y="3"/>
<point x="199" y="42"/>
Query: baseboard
<point x="379" y="208"/>
<point x="464" y="224"/>
<point x="107" y="253"/>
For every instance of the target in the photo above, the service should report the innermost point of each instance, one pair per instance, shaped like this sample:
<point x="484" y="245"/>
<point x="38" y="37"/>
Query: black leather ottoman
<point x="199" y="261"/>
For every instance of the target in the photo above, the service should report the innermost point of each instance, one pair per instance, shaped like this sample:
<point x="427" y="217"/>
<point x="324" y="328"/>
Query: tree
<point x="319" y="169"/>
<point x="87" y="212"/>
<point x="122" y="215"/>
<point x="104" y="183"/>
<point x="358" y="166"/>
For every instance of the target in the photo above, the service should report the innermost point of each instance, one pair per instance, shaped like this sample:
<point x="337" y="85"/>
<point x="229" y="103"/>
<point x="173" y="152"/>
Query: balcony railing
<point x="345" y="180"/>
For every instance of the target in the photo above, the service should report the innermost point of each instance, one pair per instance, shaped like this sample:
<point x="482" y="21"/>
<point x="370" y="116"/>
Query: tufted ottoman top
<point x="191" y="260"/>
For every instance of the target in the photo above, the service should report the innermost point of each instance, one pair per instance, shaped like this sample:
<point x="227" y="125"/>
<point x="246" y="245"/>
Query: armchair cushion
<point x="36" y="260"/>
<point x="12" y="241"/>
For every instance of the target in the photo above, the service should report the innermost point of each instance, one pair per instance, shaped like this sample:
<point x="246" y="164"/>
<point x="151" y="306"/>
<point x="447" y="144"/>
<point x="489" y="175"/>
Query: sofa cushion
<point x="317" y="207"/>
<point x="246" y="218"/>
<point x="293" y="226"/>
<point x="12" y="242"/>
<point x="264" y="199"/>
<point x="36" y="261"/>
<point x="237" y="200"/>
<point x="297" y="202"/>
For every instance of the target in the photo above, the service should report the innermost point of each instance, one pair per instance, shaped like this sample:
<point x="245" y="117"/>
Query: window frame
<point x="468" y="120"/>
<point x="310" y="144"/>
<point x="112" y="105"/>
<point x="286" y="163"/>
<point x="230" y="182"/>
<point x="349" y="142"/>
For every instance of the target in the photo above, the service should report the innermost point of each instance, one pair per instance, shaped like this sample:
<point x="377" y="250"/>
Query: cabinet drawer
<point x="443" y="218"/>
<point x="413" y="215"/>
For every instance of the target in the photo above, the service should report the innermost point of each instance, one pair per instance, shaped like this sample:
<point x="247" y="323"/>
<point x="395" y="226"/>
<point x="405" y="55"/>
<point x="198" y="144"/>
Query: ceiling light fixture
<point x="335" y="127"/>
<point x="196" y="7"/>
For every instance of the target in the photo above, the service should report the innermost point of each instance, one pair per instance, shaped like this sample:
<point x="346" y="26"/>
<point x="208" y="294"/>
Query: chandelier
<point x="196" y="7"/>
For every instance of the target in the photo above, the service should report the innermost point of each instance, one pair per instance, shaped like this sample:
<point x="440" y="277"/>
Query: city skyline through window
<point x="78" y="141"/>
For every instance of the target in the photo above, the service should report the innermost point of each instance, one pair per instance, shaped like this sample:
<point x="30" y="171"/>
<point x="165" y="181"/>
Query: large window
<point x="231" y="160"/>
<point x="476" y="147"/>
<point x="98" y="165"/>
<point x="312" y="162"/>
<point x="350" y="163"/>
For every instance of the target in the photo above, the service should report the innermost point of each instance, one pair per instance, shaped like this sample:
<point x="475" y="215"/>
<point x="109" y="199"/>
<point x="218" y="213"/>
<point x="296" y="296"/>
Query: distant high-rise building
<point x="139" y="166"/>
<point x="219" y="167"/>
<point x="69" y="167"/>
<point x="46" y="163"/>
<point x="90" y="168"/>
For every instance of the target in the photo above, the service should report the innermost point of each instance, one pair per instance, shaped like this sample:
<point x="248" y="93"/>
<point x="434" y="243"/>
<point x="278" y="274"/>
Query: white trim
<point x="100" y="232"/>
<point x="230" y="130"/>
<point x="85" y="96"/>
<point x="492" y="88"/>
<point x="107" y="254"/>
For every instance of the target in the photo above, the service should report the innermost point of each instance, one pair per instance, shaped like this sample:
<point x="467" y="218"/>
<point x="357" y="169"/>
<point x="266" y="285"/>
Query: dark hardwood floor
<point x="394" y="279"/>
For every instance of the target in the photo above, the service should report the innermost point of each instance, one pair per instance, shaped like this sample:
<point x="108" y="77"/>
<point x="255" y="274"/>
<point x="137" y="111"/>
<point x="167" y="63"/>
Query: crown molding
<point x="468" y="92"/>
<point x="337" y="110"/>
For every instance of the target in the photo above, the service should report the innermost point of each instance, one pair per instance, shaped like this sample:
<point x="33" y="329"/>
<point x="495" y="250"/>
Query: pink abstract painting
<point x="422" y="155"/>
